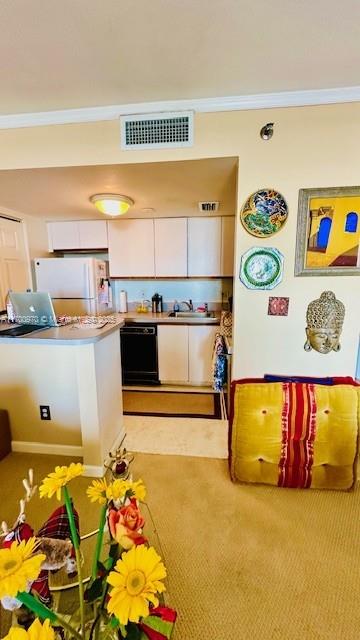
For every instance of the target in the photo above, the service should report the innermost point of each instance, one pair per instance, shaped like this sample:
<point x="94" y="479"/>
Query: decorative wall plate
<point x="261" y="268"/>
<point x="264" y="213"/>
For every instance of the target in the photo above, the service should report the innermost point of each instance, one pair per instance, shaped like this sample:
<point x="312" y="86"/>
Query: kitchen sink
<point x="191" y="314"/>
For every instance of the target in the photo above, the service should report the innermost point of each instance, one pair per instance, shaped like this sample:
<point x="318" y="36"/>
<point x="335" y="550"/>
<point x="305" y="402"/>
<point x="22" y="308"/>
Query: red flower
<point x="126" y="525"/>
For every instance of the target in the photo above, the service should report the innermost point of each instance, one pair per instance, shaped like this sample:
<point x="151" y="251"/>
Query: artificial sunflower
<point x="117" y="490"/>
<point x="18" y="567"/>
<point x="97" y="491"/>
<point x="59" y="478"/>
<point x="36" y="631"/>
<point x="135" y="581"/>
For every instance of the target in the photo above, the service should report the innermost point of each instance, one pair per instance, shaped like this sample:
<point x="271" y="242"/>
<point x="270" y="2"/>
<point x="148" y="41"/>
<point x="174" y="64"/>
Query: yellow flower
<point x="97" y="491"/>
<point x="59" y="478"/>
<point x="18" y="566"/>
<point x="118" y="488"/>
<point x="135" y="582"/>
<point x="36" y="631"/>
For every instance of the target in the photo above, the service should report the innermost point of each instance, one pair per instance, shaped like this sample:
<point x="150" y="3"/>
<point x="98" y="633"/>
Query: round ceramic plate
<point x="261" y="268"/>
<point x="264" y="213"/>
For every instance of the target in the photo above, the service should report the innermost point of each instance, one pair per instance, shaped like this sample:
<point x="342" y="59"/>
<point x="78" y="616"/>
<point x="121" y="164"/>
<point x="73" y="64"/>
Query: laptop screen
<point x="33" y="308"/>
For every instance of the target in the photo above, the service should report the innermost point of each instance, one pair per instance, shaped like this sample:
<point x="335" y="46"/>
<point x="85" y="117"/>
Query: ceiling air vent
<point x="157" y="130"/>
<point x="208" y="207"/>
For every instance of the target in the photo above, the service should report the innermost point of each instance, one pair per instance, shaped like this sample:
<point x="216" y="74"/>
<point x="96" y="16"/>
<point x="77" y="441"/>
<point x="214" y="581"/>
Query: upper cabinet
<point x="159" y="247"/>
<point x="170" y="247"/>
<point x="82" y="234"/>
<point x="204" y="246"/>
<point x="131" y="248"/>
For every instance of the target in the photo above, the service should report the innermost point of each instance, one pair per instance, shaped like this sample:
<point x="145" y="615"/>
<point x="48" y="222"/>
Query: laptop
<point x="33" y="312"/>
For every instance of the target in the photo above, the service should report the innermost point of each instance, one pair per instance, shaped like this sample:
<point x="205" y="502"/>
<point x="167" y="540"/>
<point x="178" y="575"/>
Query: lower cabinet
<point x="185" y="353"/>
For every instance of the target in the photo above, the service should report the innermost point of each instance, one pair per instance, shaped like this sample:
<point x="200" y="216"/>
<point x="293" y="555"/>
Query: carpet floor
<point x="171" y="404"/>
<point x="243" y="561"/>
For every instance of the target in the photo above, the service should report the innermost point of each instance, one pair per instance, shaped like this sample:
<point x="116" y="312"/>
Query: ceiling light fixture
<point x="111" y="204"/>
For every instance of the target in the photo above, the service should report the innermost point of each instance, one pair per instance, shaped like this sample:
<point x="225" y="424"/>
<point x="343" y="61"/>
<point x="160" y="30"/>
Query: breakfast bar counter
<point x="76" y="373"/>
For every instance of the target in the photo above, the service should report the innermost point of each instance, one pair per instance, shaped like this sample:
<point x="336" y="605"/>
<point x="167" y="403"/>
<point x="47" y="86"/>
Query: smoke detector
<point x="209" y="206"/>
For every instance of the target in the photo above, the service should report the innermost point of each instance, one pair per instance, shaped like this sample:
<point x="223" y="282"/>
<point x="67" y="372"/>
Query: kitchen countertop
<point x="163" y="318"/>
<point x="71" y="334"/>
<point x="74" y="334"/>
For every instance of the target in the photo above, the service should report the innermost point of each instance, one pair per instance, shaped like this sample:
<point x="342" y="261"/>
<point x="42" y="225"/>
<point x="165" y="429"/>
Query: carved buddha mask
<point x="324" y="317"/>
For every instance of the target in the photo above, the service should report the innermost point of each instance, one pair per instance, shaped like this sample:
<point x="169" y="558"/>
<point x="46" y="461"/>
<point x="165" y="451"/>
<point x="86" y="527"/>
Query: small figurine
<point x="119" y="462"/>
<point x="324" y="317"/>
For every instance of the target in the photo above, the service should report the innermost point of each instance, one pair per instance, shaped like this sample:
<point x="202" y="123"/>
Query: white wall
<point x="311" y="147"/>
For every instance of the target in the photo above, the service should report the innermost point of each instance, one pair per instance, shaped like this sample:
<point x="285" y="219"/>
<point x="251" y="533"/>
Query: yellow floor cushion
<point x="294" y="434"/>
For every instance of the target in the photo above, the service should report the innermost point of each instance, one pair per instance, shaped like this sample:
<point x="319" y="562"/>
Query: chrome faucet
<point x="188" y="304"/>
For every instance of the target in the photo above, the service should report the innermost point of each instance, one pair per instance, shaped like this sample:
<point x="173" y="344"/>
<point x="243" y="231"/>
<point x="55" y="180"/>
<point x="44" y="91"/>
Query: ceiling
<point x="169" y="188"/>
<point x="81" y="53"/>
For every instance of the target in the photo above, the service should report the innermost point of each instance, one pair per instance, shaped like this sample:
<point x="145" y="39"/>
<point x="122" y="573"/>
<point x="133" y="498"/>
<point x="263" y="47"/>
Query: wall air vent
<point x="157" y="130"/>
<point x="208" y="206"/>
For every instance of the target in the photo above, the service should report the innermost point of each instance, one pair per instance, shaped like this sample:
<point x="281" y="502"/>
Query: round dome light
<point x="112" y="204"/>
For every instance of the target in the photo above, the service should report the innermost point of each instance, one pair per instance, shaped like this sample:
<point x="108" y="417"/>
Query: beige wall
<point x="311" y="147"/>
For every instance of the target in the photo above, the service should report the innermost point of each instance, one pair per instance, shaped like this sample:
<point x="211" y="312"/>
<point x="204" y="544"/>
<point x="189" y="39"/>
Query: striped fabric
<point x="298" y="435"/>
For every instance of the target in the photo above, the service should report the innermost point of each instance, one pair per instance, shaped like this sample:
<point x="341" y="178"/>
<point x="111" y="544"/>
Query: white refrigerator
<point x="77" y="286"/>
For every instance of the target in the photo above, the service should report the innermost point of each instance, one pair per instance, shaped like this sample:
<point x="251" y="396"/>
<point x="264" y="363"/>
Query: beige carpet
<point x="171" y="403"/>
<point x="243" y="561"/>
<point x="177" y="436"/>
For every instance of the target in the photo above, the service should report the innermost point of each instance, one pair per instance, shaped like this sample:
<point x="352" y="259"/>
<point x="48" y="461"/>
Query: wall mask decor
<point x="261" y="268"/>
<point x="264" y="213"/>
<point x="324" y="320"/>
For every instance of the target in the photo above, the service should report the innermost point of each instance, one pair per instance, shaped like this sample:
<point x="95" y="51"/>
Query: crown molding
<point x="201" y="105"/>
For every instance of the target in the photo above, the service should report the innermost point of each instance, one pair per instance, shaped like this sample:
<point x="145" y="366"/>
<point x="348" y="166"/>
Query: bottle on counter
<point x="156" y="303"/>
<point x="9" y="308"/>
<point x="176" y="306"/>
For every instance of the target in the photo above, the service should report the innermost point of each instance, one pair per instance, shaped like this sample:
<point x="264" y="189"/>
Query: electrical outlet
<point x="45" y="412"/>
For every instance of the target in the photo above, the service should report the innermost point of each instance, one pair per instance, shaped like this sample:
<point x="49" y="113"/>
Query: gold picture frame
<point x="328" y="232"/>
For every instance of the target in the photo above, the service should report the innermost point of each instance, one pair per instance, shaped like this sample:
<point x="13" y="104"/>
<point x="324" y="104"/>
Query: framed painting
<point x="328" y="232"/>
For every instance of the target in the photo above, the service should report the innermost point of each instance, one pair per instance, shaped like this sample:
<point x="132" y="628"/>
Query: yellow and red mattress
<point x="295" y="434"/>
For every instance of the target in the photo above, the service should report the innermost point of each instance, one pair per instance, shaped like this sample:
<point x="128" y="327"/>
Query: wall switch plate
<point x="45" y="412"/>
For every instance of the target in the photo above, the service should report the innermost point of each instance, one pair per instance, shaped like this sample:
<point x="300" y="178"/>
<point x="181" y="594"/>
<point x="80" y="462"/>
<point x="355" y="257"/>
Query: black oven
<point x="139" y="359"/>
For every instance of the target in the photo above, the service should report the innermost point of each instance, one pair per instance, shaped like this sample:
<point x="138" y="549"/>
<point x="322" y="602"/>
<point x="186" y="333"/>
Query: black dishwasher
<point x="139" y="359"/>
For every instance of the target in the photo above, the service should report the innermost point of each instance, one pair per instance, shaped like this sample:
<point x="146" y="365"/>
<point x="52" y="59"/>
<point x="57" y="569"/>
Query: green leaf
<point x="133" y="631"/>
<point x="94" y="591"/>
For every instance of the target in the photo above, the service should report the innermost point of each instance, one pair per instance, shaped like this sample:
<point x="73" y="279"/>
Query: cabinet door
<point x="227" y="245"/>
<point x="131" y="248"/>
<point x="93" y="234"/>
<point x="204" y="246"/>
<point x="173" y="353"/>
<point x="170" y="247"/>
<point x="201" y="347"/>
<point x="63" y="235"/>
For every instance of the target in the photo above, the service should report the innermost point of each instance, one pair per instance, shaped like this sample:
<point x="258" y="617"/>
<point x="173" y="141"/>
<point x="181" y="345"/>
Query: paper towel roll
<point x="123" y="301"/>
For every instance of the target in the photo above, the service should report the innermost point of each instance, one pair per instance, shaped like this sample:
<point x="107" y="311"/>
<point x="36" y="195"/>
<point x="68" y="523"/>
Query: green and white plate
<point x="261" y="268"/>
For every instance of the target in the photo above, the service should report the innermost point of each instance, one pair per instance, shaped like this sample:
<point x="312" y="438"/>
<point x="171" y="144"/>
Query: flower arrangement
<point x="122" y="597"/>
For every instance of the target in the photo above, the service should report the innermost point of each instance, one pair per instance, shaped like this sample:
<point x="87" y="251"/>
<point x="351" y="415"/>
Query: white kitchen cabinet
<point x="227" y="245"/>
<point x="131" y="248"/>
<point x="204" y="246"/>
<point x="173" y="353"/>
<point x="77" y="234"/>
<point x="185" y="353"/>
<point x="170" y="247"/>
<point x="63" y="235"/>
<point x="201" y="346"/>
<point x="93" y="234"/>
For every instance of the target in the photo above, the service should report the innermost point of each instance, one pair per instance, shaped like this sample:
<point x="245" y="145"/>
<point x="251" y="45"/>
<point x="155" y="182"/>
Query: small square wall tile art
<point x="278" y="306"/>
